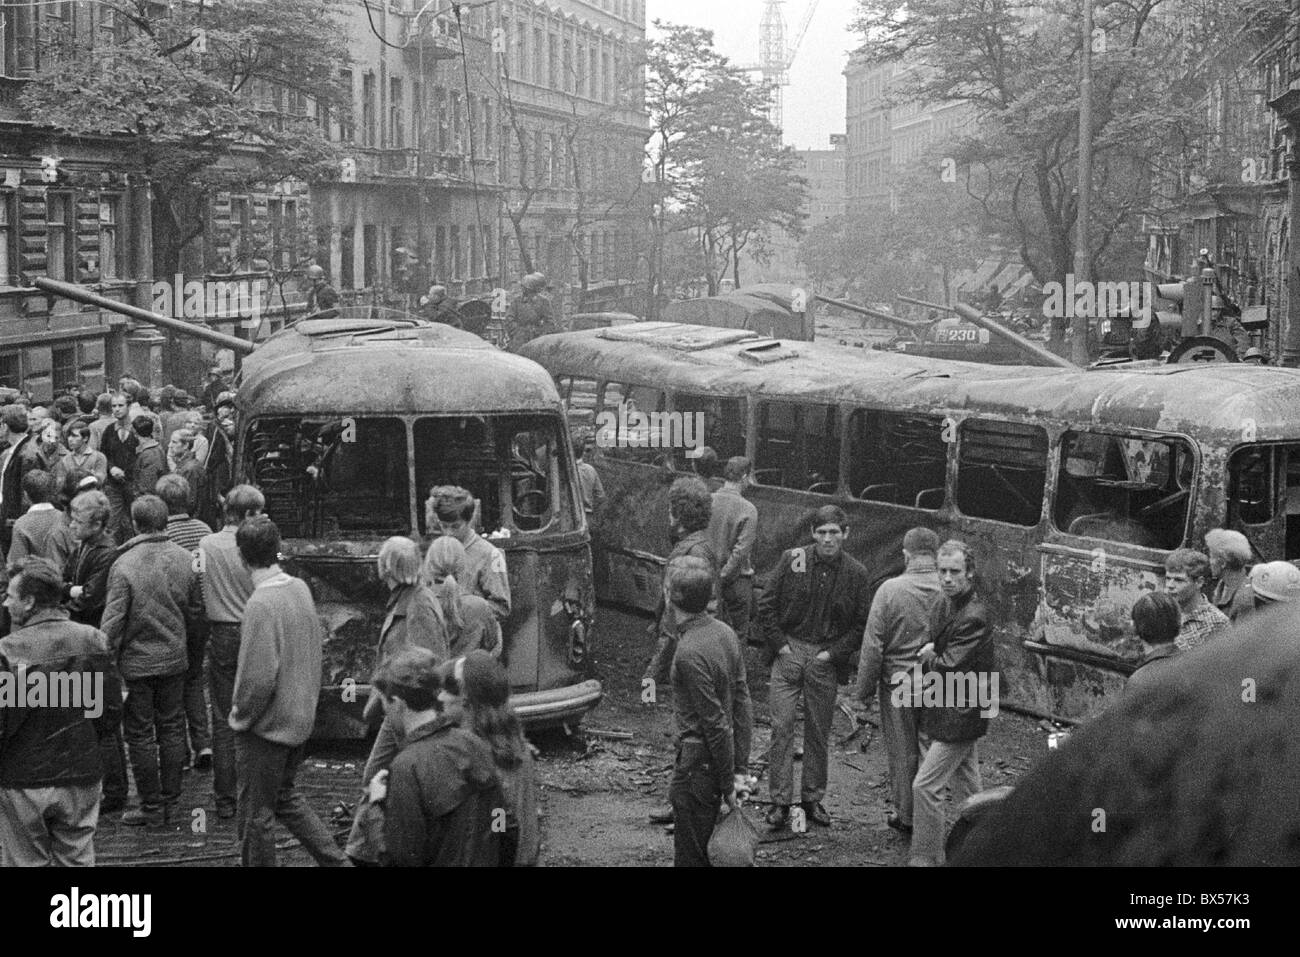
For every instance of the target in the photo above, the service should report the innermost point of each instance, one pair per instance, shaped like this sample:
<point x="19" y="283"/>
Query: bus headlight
<point x="578" y="642"/>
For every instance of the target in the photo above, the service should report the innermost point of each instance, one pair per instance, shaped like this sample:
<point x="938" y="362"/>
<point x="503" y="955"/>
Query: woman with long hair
<point x="478" y="684"/>
<point x="471" y="623"/>
<point x="414" y="619"/>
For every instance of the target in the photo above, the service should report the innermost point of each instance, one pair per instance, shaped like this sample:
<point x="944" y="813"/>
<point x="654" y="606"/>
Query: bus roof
<point x="1194" y="399"/>
<point x="376" y="366"/>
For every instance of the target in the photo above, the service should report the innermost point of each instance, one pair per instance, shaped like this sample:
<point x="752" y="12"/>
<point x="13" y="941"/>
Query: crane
<point x="775" y="58"/>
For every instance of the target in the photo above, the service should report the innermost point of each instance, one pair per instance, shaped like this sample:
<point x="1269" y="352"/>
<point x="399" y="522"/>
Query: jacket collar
<point x="438" y="724"/>
<point x="43" y="615"/>
<point x="264" y="576"/>
<point x="131" y="543"/>
<point x="1156" y="653"/>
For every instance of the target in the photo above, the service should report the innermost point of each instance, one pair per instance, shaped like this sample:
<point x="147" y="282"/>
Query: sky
<point x="814" y="100"/>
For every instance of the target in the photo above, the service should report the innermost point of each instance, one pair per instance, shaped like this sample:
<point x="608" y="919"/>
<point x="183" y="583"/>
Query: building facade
<point x="824" y="171"/>
<point x="572" y="148"/>
<point x="76" y="210"/>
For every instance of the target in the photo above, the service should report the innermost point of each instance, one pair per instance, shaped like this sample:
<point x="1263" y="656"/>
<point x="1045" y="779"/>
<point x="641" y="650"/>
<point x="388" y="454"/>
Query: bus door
<point x="1121" y="502"/>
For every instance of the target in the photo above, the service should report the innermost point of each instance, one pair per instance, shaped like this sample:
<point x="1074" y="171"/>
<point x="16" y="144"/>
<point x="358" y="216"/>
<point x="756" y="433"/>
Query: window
<point x="897" y="458"/>
<point x="241" y="237"/>
<point x="444" y="128"/>
<point x="707" y="421"/>
<point x="798" y="447"/>
<point x="60" y="237"/>
<point x="8" y="240"/>
<point x="570" y="79"/>
<point x="347" y="256"/>
<point x="112" y="258"/>
<point x="11" y="365"/>
<point x="511" y="463"/>
<point x="632" y="425"/>
<point x="440" y="251"/>
<point x="1124" y="489"/>
<point x="347" y="132"/>
<point x="1264" y="483"/>
<point x="370" y="255"/>
<point x="539" y="57"/>
<point x="553" y="61"/>
<point x="457" y="257"/>
<point x="64" y="369"/>
<point x="333" y="477"/>
<point x="1001" y="471"/>
<point x="368" y="137"/>
<point x="396" y="114"/>
<point x="579" y="398"/>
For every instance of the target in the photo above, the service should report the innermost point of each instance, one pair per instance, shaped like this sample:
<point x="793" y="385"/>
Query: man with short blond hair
<point x="1185" y="573"/>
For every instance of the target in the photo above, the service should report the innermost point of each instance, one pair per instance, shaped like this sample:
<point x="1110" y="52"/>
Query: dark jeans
<point x="223" y="660"/>
<point x="112" y="749"/>
<point x="266" y="794"/>
<point x="119" y="511"/>
<point x="695" y="796"/>
<point x="737" y="600"/>
<point x="196" y="703"/>
<point x="154" y="725"/>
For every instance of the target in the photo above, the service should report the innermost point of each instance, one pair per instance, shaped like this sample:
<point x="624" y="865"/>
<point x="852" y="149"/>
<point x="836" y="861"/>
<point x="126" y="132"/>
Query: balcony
<point x="436" y="40"/>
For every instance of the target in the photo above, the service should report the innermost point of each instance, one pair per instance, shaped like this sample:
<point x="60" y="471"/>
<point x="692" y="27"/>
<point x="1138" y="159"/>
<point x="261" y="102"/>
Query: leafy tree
<point x="1018" y="67"/>
<point x="720" y="168"/>
<point x="215" y="97"/>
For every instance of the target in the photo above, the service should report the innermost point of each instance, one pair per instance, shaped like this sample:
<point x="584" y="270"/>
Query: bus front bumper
<point x="538" y="709"/>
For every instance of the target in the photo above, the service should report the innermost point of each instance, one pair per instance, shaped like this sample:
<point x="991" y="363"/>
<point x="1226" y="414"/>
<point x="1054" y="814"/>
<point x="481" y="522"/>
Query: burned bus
<point x="1071" y="486"/>
<point x="346" y="423"/>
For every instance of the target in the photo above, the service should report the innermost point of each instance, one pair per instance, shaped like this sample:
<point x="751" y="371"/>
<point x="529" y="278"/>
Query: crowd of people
<point x="208" y="655"/>
<point x="815" y="610"/>
<point x="812" y="612"/>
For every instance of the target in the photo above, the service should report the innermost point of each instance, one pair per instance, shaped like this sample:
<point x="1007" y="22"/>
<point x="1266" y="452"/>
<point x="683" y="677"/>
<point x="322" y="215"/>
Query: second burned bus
<point x="1072" y="487"/>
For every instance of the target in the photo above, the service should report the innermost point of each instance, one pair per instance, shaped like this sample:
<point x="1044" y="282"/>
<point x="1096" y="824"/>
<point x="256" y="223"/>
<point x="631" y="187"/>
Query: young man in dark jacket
<point x="119" y="442"/>
<point x="154" y="603"/>
<point x="811" y="614"/>
<point x="443" y="789"/>
<point x="733" y="528"/>
<point x="958" y="696"/>
<point x="85" y="589"/>
<point x="713" y="712"/>
<point x="49" y="764"/>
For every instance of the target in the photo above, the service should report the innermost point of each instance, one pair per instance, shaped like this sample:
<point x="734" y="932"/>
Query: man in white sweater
<point x="274" y="703"/>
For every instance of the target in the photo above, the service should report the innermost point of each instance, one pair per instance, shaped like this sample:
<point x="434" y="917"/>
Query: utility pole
<point x="1082" y="247"/>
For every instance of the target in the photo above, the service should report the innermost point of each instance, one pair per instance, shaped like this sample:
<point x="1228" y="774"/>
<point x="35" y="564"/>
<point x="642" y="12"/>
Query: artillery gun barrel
<point x="79" y="294"/>
<point x="875" y="313"/>
<point x="928" y="305"/>
<point x="971" y="314"/>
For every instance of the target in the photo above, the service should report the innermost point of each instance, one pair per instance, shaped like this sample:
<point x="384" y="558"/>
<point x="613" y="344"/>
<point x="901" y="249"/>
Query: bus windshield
<point x="349" y="477"/>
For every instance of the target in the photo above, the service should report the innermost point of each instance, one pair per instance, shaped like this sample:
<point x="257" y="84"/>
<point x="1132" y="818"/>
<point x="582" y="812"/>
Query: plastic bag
<point x="733" y="842"/>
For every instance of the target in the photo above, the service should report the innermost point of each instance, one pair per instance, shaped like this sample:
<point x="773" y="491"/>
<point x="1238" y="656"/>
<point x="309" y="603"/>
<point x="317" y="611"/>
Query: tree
<point x="214" y="96"/>
<point x="1017" y="66"/>
<point x="720" y="169"/>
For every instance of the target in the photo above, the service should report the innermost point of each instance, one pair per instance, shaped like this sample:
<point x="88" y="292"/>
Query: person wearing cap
<point x="1272" y="583"/>
<point x="442" y="795"/>
<point x="1230" y="555"/>
<point x="320" y="294"/>
<point x="1255" y="356"/>
<point x="220" y="460"/>
<point x="1156" y="620"/>
<point x="214" y="387"/>
<point x="530" y="314"/>
<point x="1185" y="573"/>
<point x="437" y="307"/>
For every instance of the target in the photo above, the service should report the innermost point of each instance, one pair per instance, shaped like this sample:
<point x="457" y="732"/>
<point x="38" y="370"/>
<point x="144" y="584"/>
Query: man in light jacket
<point x="154" y="603"/>
<point x="273" y="705"/>
<point x="733" y="527"/>
<point x="897" y="628"/>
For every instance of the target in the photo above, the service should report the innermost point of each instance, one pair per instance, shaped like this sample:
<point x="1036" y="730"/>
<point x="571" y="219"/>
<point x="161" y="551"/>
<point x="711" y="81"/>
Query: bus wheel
<point x="1202" y="349"/>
